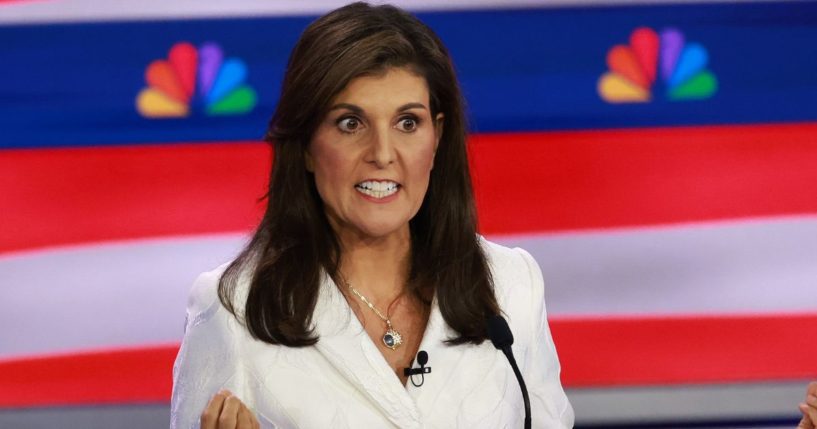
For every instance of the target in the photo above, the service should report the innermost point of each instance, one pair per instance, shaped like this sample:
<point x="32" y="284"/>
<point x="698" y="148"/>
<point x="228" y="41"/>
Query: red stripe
<point x="601" y="179"/>
<point x="654" y="351"/>
<point x="600" y="352"/>
<point x="525" y="183"/>
<point x="65" y="196"/>
<point x="111" y="377"/>
<point x="5" y="2"/>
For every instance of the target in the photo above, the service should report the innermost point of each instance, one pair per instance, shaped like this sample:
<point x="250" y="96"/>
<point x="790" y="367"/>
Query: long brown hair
<point x="294" y="243"/>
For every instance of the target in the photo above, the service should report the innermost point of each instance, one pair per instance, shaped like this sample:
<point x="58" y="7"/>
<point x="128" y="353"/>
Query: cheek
<point x="330" y="170"/>
<point x="421" y="165"/>
<point x="426" y="158"/>
<point x="328" y="164"/>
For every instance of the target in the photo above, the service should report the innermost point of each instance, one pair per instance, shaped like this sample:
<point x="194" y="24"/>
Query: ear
<point x="309" y="163"/>
<point x="439" y="121"/>
<point x="438" y="134"/>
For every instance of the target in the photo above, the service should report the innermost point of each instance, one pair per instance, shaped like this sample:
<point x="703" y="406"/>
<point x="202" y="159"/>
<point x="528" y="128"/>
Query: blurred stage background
<point x="659" y="159"/>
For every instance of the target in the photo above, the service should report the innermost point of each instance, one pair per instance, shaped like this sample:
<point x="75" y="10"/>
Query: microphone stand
<point x="502" y="338"/>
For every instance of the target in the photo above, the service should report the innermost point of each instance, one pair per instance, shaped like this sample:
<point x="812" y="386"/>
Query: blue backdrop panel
<point x="521" y="70"/>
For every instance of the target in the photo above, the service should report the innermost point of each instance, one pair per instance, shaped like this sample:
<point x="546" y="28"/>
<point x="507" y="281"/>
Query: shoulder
<point x="203" y="300"/>
<point x="511" y="268"/>
<point x="518" y="285"/>
<point x="212" y="355"/>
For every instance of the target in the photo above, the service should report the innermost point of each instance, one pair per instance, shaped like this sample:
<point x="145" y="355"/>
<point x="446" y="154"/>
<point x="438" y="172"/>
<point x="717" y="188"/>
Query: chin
<point x="383" y="230"/>
<point x="380" y="232"/>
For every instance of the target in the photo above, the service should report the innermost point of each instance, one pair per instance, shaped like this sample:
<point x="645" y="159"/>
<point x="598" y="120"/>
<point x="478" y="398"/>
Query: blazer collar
<point x="347" y="346"/>
<point x="345" y="343"/>
<point x="443" y="359"/>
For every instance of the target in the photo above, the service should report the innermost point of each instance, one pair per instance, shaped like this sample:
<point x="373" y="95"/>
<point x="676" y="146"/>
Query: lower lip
<point x="379" y="200"/>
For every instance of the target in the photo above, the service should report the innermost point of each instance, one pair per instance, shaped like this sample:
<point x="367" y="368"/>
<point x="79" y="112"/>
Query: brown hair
<point x="294" y="241"/>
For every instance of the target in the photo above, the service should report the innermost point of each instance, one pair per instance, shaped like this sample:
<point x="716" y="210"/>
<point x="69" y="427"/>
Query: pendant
<point x="392" y="339"/>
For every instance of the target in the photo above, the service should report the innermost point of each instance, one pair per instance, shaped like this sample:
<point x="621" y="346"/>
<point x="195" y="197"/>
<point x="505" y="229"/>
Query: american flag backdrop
<point x="657" y="158"/>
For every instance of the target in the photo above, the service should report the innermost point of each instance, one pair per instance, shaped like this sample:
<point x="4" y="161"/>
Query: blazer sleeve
<point x="549" y="404"/>
<point x="207" y="361"/>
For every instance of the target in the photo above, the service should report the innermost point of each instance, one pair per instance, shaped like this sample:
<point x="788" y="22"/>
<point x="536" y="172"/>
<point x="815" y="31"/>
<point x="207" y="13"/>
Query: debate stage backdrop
<point x="658" y="159"/>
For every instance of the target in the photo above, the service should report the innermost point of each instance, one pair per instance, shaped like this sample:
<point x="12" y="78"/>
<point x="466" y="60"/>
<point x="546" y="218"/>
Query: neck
<point x="377" y="267"/>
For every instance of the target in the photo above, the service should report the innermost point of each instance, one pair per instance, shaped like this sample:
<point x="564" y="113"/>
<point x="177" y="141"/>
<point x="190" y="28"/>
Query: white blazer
<point x="343" y="381"/>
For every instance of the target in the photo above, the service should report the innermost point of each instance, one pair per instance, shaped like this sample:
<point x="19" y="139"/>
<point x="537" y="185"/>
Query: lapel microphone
<point x="500" y="334"/>
<point x="422" y="360"/>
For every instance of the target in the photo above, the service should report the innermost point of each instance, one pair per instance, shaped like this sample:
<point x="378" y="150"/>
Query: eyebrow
<point x="358" y="110"/>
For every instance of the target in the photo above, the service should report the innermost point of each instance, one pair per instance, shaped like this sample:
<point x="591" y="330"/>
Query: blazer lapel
<point x="455" y="369"/>
<point x="345" y="344"/>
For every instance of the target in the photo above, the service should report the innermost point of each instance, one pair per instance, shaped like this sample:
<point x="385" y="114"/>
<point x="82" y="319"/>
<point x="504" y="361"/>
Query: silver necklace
<point x="392" y="339"/>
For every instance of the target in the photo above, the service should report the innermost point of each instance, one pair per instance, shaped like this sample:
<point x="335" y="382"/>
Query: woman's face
<point x="373" y="152"/>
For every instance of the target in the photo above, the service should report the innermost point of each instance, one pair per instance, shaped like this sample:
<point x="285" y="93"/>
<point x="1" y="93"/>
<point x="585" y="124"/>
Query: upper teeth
<point x="377" y="189"/>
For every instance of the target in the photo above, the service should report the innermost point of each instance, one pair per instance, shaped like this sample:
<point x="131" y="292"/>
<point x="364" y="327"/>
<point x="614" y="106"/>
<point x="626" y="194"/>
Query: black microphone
<point x="502" y="338"/>
<point x="422" y="360"/>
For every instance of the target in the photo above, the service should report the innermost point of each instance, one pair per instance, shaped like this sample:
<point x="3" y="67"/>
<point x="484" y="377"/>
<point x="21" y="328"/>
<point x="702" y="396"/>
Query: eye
<point x="408" y="124"/>
<point x="349" y="124"/>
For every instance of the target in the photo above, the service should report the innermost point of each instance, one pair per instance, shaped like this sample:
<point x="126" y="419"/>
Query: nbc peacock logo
<point x="634" y="68"/>
<point x="193" y="78"/>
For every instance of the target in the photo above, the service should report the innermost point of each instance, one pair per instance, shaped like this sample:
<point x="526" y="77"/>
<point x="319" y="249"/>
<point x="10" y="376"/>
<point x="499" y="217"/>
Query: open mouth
<point x="378" y="188"/>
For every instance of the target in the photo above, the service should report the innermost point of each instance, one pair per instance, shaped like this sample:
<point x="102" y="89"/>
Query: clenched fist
<point x="809" y="408"/>
<point x="226" y="411"/>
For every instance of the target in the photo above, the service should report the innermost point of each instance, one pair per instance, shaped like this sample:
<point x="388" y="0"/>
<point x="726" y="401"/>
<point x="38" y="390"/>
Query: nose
<point x="382" y="151"/>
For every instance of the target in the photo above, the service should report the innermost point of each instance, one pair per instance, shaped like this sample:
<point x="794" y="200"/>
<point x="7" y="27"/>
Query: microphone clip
<point x="422" y="360"/>
<point x="408" y="372"/>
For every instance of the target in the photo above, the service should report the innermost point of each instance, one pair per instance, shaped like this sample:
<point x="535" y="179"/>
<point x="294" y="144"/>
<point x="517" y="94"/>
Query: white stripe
<point x="754" y="266"/>
<point x="57" y="11"/>
<point x="108" y="295"/>
<point x="134" y="293"/>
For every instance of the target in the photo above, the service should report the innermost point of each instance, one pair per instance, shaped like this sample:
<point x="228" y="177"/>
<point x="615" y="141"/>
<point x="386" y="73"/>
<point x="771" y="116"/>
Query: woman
<point x="367" y="254"/>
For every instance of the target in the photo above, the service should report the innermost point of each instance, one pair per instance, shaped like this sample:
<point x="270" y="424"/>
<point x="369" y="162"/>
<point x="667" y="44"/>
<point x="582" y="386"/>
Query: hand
<point x="226" y="411"/>
<point x="809" y="408"/>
